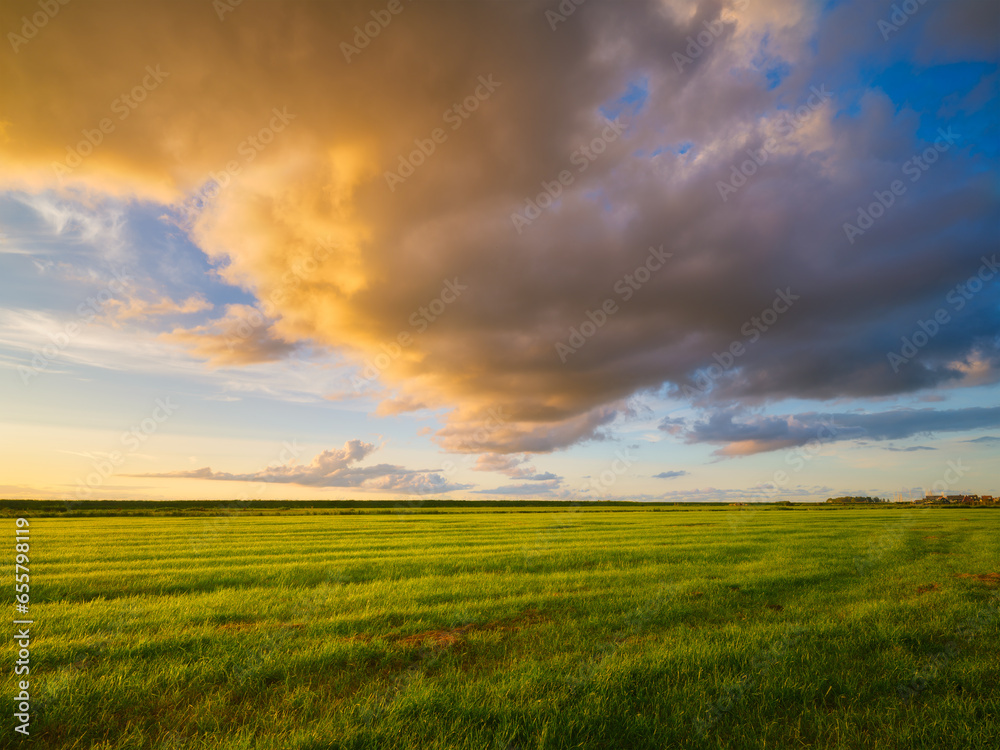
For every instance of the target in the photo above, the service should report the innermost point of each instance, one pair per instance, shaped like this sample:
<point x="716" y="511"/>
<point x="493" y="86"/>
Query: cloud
<point x="910" y="449"/>
<point x="242" y="336"/>
<point x="77" y="226"/>
<point x="759" y="434"/>
<point x="541" y="488"/>
<point x="333" y="468"/>
<point x="513" y="466"/>
<point x="670" y="474"/>
<point x="295" y="166"/>
<point x="985" y="439"/>
<point x="547" y="476"/>
<point x="394" y="406"/>
<point x="473" y="431"/>
<point x="135" y="309"/>
<point x="509" y="465"/>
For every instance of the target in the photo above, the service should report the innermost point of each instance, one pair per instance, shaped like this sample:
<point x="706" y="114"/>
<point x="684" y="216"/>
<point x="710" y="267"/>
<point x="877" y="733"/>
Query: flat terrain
<point x="548" y="628"/>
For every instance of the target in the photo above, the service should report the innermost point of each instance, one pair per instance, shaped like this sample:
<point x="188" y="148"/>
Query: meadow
<point x="543" y="628"/>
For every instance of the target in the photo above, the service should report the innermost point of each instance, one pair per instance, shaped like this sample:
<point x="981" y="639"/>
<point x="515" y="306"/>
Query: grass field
<point x="716" y="628"/>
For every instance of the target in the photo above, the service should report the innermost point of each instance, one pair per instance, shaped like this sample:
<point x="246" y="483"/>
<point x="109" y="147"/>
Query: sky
<point x="583" y="250"/>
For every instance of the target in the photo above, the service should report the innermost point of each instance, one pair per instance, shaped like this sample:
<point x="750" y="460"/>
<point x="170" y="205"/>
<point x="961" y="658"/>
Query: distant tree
<point x="847" y="499"/>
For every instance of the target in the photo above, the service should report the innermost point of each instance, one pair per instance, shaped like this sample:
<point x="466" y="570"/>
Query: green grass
<point x="557" y="628"/>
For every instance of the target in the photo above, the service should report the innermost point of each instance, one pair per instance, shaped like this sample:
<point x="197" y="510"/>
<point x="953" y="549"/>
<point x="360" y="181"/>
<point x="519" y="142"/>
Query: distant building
<point x="966" y="499"/>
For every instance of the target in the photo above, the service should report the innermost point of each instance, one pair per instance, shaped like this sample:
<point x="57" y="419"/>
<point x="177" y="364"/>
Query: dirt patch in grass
<point x="990" y="579"/>
<point x="927" y="587"/>
<point x="237" y="626"/>
<point x="932" y="537"/>
<point x="447" y="637"/>
<point x="437" y="638"/>
<point x="774" y="607"/>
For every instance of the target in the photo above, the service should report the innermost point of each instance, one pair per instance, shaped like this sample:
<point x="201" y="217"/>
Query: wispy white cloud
<point x="28" y="340"/>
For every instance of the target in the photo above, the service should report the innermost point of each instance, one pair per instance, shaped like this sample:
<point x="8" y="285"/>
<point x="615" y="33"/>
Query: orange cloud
<point x="134" y="308"/>
<point x="242" y="336"/>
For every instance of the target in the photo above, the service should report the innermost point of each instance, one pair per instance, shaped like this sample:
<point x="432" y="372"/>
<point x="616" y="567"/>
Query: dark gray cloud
<point x="910" y="449"/>
<point x="759" y="433"/>
<point x="544" y="477"/>
<point x="670" y="474"/>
